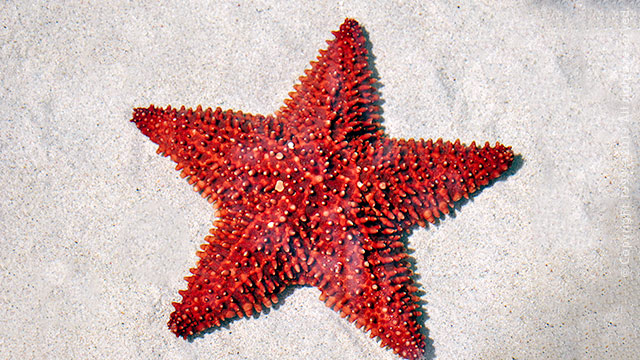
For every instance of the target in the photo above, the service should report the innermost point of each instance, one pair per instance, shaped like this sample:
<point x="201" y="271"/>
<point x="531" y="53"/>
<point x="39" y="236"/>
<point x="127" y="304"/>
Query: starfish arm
<point x="237" y="161"/>
<point x="409" y="182"/>
<point x="242" y="268"/>
<point x="215" y="148"/>
<point x="368" y="281"/>
<point x="397" y="309"/>
<point x="336" y="97"/>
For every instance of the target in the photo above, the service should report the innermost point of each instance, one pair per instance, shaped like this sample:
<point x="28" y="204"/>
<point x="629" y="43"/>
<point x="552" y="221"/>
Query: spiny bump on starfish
<point x="315" y="194"/>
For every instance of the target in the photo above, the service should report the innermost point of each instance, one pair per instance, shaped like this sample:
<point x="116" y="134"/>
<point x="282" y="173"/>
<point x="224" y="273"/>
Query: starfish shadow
<point x="374" y="74"/>
<point x="429" y="348"/>
<point x="225" y="323"/>
<point x="518" y="161"/>
<point x="415" y="276"/>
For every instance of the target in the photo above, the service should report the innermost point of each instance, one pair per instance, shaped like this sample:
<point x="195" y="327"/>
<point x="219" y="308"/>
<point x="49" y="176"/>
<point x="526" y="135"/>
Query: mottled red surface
<point x="317" y="195"/>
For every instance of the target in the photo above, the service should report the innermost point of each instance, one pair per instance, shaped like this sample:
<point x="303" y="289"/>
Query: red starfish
<point x="316" y="195"/>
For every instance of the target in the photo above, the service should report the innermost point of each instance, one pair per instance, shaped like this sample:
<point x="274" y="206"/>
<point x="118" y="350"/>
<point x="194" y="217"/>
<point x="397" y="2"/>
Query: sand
<point x="97" y="231"/>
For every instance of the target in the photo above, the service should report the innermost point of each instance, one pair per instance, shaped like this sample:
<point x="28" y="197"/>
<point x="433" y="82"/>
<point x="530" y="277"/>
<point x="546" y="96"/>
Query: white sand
<point x="97" y="231"/>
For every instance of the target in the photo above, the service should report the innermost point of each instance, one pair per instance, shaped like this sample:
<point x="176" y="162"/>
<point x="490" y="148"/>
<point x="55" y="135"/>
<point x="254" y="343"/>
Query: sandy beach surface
<point x="97" y="231"/>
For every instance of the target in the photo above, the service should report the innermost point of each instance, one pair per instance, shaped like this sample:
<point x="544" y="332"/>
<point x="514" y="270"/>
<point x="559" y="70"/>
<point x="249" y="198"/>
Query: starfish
<point x="317" y="195"/>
